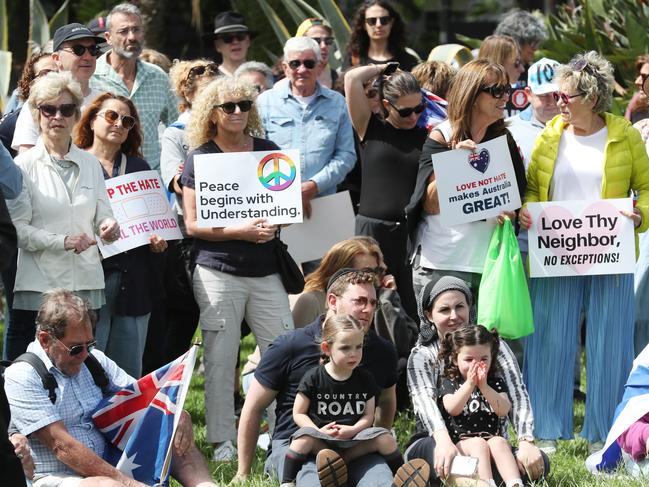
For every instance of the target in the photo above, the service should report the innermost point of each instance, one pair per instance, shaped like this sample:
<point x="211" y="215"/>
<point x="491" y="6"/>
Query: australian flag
<point x="140" y="420"/>
<point x="634" y="405"/>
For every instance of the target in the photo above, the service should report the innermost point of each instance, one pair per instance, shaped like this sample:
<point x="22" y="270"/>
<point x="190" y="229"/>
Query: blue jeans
<point x="366" y="471"/>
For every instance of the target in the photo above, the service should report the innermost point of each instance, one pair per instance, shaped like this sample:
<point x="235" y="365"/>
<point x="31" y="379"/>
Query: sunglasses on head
<point x="229" y="107"/>
<point x="66" y="110"/>
<point x="580" y="65"/>
<point x="196" y="71"/>
<point x="79" y="50"/>
<point x="77" y="349"/>
<point x="497" y="91"/>
<point x="229" y="38"/>
<point x="327" y="40"/>
<point x="111" y="116"/>
<point x="308" y="64"/>
<point x="385" y="20"/>
<point x="406" y="112"/>
<point x="565" y="97"/>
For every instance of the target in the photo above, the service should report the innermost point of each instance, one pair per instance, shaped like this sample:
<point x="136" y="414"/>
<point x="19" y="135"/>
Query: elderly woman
<point x="444" y="306"/>
<point x="257" y="74"/>
<point x="236" y="273"/>
<point x="62" y="206"/>
<point x="583" y="154"/>
<point x="476" y="103"/>
<point x="109" y="129"/>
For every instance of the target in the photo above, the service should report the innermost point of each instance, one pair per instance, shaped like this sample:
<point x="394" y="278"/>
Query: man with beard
<point x="121" y="72"/>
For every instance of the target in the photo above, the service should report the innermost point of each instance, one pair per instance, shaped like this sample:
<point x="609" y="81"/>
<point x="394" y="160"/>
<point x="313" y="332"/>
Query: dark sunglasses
<point x="196" y="71"/>
<point x="66" y="110"/>
<point x="77" y="349"/>
<point x="229" y="106"/>
<point x="379" y="271"/>
<point x="327" y="40"/>
<point x="497" y="91"/>
<point x="580" y="65"/>
<point x="385" y="20"/>
<point x="406" y="112"/>
<point x="308" y="64"/>
<point x="564" y="97"/>
<point x="79" y="50"/>
<point x="111" y="116"/>
<point x="229" y="38"/>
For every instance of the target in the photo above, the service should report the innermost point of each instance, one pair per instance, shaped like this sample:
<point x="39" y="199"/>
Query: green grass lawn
<point x="568" y="467"/>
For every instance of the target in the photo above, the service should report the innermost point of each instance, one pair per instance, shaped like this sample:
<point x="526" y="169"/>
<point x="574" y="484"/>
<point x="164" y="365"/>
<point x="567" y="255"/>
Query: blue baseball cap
<point x="540" y="77"/>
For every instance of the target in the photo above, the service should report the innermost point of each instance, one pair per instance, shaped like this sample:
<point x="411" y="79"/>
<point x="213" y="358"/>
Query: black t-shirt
<point x="291" y="355"/>
<point x="477" y="418"/>
<point x="334" y="400"/>
<point x="237" y="257"/>
<point x="390" y="161"/>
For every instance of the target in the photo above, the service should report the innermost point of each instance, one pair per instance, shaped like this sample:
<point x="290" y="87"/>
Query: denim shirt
<point x="322" y="131"/>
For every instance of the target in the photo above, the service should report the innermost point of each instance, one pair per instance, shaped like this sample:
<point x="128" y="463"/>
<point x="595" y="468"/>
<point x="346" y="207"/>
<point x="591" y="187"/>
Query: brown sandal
<point x="414" y="473"/>
<point x="332" y="470"/>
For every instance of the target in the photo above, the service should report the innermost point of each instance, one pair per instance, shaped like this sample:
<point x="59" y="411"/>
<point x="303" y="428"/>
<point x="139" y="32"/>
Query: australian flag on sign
<point x="140" y="420"/>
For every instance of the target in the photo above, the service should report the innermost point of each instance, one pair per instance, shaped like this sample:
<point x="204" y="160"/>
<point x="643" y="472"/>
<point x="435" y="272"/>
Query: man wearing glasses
<point x="67" y="446"/>
<point x="75" y="49"/>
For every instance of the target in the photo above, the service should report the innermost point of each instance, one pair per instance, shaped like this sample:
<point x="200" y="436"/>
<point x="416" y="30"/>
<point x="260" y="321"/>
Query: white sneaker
<point x="225" y="452"/>
<point x="549" y="447"/>
<point x="287" y="484"/>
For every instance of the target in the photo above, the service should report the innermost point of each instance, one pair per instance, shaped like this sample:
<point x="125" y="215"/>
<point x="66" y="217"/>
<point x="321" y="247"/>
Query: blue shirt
<point x="322" y="131"/>
<point x="11" y="179"/>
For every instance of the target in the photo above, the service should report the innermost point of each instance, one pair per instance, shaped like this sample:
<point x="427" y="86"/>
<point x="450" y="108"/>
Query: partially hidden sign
<point x="235" y="187"/>
<point x="576" y="238"/>
<point x="474" y="185"/>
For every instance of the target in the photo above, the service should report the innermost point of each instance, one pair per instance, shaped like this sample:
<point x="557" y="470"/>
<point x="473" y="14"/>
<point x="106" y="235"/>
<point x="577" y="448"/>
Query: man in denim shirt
<point x="302" y="114"/>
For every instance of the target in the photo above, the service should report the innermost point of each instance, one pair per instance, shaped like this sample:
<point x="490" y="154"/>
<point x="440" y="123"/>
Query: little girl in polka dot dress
<point x="473" y="401"/>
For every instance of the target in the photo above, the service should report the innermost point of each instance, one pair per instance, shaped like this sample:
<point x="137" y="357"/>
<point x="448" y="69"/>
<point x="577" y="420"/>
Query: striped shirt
<point x="423" y="379"/>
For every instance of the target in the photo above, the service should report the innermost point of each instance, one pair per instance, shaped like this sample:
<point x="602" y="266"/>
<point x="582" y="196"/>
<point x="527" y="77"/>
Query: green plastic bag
<point x="503" y="299"/>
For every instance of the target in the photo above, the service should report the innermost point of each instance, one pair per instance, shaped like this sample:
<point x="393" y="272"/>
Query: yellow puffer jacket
<point x="626" y="164"/>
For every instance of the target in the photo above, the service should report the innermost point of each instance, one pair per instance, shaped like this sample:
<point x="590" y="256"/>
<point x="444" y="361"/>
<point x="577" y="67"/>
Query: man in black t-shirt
<point x="291" y="355"/>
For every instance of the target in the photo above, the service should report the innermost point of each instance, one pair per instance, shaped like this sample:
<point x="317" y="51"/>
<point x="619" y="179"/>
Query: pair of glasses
<point x="364" y="302"/>
<point x="111" y="116"/>
<point x="308" y="64"/>
<point x="497" y="91"/>
<point x="77" y="349"/>
<point x="580" y="65"/>
<point x="565" y="97"/>
<point x="79" y="50"/>
<point x="385" y="20"/>
<point x="328" y="41"/>
<point x="379" y="271"/>
<point x="210" y="69"/>
<point x="230" y="38"/>
<point x="229" y="107"/>
<point x="66" y="110"/>
<point x="406" y="112"/>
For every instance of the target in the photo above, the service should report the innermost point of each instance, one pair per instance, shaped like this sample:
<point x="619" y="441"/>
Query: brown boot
<point x="332" y="470"/>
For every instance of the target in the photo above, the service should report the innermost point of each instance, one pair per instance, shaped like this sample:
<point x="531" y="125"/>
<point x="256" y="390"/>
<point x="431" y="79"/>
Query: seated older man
<point x="67" y="446"/>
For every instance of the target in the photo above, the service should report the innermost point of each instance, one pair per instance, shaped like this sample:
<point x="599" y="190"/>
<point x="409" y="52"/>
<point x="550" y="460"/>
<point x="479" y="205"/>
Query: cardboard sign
<point x="576" y="238"/>
<point x="235" y="187"/>
<point x="475" y="185"/>
<point x="141" y="208"/>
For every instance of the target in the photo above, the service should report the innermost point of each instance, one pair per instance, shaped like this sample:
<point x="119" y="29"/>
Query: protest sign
<point x="140" y="206"/>
<point x="474" y="185"/>
<point x="235" y="187"/>
<point x="575" y="238"/>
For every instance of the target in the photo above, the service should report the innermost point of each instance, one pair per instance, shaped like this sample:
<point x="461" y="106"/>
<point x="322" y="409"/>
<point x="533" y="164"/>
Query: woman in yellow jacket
<point x="583" y="154"/>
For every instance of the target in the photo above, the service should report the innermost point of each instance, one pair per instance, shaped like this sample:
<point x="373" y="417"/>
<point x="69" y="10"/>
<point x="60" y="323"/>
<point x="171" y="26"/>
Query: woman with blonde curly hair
<point x="236" y="274"/>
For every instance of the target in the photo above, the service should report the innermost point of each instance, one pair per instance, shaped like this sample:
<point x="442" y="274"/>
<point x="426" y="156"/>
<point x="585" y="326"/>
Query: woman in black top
<point x="236" y="274"/>
<point x="391" y="145"/>
<point x="378" y="37"/>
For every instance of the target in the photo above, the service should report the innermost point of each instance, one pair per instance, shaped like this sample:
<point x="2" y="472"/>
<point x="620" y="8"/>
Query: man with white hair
<point x="302" y="114"/>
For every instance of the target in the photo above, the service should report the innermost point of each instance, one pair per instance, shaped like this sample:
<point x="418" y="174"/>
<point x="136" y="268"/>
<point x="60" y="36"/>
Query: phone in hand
<point x="391" y="68"/>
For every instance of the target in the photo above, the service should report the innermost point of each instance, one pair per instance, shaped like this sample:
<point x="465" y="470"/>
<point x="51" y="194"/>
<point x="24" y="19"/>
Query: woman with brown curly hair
<point x="378" y="37"/>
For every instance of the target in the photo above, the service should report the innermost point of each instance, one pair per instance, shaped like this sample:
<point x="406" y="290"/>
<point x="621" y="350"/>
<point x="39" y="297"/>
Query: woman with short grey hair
<point x="257" y="74"/>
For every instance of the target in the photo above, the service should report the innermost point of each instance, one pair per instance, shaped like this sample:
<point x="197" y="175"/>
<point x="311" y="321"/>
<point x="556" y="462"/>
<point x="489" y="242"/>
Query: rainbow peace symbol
<point x="276" y="171"/>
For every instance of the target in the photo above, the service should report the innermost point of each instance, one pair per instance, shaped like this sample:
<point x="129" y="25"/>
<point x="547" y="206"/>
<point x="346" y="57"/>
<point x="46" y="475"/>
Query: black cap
<point x="71" y="32"/>
<point x="227" y="22"/>
<point x="97" y="26"/>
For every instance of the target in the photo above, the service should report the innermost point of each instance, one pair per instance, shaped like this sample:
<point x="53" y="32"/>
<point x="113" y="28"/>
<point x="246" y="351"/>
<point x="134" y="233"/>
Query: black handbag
<point x="288" y="269"/>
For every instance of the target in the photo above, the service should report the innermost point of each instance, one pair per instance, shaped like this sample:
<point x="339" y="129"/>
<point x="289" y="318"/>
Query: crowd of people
<point x="387" y="321"/>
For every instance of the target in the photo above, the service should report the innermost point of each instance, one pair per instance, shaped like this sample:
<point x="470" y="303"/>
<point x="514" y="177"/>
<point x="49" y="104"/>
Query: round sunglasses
<point x="385" y="20"/>
<point x="229" y="107"/>
<point x="66" y="110"/>
<point x="565" y="97"/>
<point x="210" y="69"/>
<point x="79" y="50"/>
<point x="406" y="112"/>
<point x="111" y="116"/>
<point x="308" y="64"/>
<point x="497" y="91"/>
<point x="328" y="41"/>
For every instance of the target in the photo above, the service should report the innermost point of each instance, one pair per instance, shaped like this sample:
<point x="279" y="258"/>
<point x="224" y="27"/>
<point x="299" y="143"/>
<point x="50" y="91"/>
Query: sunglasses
<point x="229" y="106"/>
<point x="406" y="112"/>
<point x="379" y="271"/>
<point x="308" y="64"/>
<point x="196" y="71"/>
<point x="497" y="91"/>
<point x="564" y="97"/>
<point x="111" y="116"/>
<point x="79" y="50"/>
<point x="327" y="40"/>
<point x="66" y="110"/>
<point x="77" y="349"/>
<point x="385" y="20"/>
<point x="230" y="38"/>
<point x="580" y="65"/>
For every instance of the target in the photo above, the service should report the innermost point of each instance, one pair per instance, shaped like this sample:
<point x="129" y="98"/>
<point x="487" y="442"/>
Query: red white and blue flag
<point x="140" y="420"/>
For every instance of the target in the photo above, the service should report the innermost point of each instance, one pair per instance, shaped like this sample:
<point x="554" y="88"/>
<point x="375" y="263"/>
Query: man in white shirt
<point x="75" y="49"/>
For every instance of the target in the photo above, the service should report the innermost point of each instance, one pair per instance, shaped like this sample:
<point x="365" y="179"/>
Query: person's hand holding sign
<point x="635" y="215"/>
<point x="525" y="218"/>
<point x="257" y="231"/>
<point x="309" y="191"/>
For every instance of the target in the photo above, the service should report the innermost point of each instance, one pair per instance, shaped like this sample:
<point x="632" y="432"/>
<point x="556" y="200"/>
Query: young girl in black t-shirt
<point x="473" y="400"/>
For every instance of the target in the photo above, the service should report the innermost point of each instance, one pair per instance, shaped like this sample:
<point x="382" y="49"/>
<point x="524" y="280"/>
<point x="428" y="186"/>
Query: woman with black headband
<point x="443" y="307"/>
